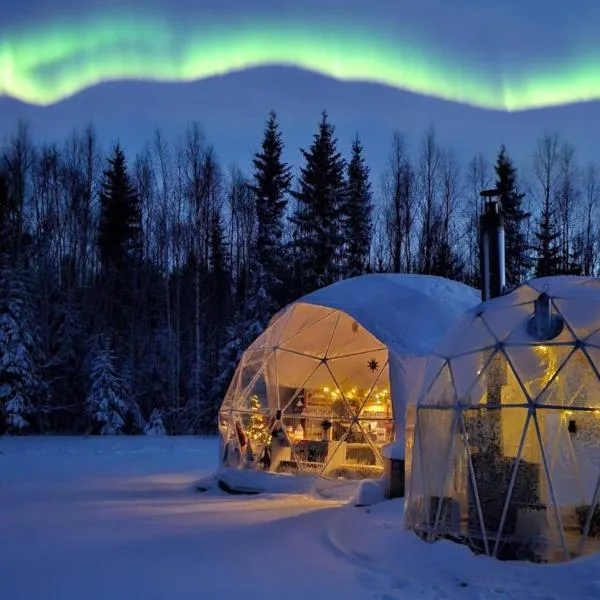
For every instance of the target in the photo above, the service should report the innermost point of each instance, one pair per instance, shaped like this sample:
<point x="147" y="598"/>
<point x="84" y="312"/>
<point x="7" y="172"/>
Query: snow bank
<point x="357" y="493"/>
<point x="262" y="482"/>
<point x="370" y="491"/>
<point x="256" y="482"/>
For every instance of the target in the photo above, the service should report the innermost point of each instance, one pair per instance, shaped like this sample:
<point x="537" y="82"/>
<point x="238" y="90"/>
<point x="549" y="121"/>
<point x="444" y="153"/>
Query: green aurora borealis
<point x="48" y="63"/>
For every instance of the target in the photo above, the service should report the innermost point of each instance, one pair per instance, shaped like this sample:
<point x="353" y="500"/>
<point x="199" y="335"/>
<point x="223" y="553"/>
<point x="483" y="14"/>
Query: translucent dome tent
<point x="506" y="449"/>
<point x="317" y="392"/>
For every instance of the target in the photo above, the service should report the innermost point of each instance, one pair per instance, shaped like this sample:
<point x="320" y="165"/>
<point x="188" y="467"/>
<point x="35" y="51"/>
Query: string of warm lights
<point x="355" y="393"/>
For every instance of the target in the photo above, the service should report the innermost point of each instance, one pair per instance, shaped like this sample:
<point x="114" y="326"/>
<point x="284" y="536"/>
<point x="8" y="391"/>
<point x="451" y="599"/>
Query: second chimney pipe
<point x="492" y="249"/>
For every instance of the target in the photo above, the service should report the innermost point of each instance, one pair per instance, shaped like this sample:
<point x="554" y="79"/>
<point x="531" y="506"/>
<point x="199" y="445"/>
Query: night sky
<point x="483" y="73"/>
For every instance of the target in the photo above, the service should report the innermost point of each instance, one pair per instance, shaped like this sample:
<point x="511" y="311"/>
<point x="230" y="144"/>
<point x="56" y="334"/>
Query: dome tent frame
<point x="319" y="368"/>
<point x="359" y="342"/>
<point x="505" y="454"/>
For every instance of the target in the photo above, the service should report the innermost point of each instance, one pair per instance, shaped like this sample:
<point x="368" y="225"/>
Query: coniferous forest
<point x="130" y="285"/>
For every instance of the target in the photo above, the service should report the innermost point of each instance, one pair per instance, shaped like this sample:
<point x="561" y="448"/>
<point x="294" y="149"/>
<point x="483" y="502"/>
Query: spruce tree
<point x="517" y="259"/>
<point x="119" y="233"/>
<point x="134" y="423"/>
<point x="65" y="355"/>
<point x="548" y="256"/>
<point x="272" y="180"/>
<point x="577" y="259"/>
<point x="21" y="384"/>
<point x="5" y="229"/>
<point x="239" y="335"/>
<point x="219" y="315"/>
<point x="22" y="388"/>
<point x="156" y="424"/>
<point x="445" y="260"/>
<point x="105" y="405"/>
<point x="11" y="237"/>
<point x="218" y="272"/>
<point x="317" y="217"/>
<point x="356" y="225"/>
<point x="119" y="245"/>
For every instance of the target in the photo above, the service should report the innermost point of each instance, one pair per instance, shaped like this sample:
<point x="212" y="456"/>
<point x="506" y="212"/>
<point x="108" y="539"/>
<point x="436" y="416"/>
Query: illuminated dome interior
<point x="505" y="450"/>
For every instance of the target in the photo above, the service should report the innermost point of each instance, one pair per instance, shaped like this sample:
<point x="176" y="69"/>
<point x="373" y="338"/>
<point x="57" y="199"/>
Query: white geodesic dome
<point x="506" y="447"/>
<point x="332" y="374"/>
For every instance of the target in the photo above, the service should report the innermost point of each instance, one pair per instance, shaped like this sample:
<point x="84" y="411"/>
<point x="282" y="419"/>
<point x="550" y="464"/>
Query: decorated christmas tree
<point x="258" y="432"/>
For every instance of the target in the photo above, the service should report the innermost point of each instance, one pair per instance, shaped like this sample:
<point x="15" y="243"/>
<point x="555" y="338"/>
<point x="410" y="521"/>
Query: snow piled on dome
<point x="407" y="313"/>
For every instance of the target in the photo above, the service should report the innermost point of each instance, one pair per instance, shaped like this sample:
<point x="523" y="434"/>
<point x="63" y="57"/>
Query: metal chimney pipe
<point x="543" y="324"/>
<point x="492" y="248"/>
<point x="543" y="316"/>
<point x="491" y="239"/>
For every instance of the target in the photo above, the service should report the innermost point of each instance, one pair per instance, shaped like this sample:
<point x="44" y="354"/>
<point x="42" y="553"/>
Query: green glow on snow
<point x="51" y="63"/>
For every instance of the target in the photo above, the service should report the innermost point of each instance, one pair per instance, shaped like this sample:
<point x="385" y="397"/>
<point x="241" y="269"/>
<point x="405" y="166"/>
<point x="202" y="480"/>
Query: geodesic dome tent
<point x="317" y="392"/>
<point x="506" y="449"/>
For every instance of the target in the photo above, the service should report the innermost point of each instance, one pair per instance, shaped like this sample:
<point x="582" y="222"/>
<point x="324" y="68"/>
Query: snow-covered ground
<point x="119" y="519"/>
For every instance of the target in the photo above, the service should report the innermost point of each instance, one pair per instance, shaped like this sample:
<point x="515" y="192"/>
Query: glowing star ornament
<point x="48" y="63"/>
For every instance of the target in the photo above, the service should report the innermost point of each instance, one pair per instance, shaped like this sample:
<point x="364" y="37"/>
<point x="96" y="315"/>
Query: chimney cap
<point x="492" y="193"/>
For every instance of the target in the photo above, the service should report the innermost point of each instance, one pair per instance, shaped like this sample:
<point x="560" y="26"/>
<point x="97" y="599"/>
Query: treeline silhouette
<point x="130" y="286"/>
